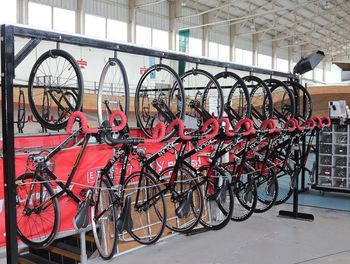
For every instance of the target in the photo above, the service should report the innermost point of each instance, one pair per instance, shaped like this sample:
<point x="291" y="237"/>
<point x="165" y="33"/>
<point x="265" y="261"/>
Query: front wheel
<point x="57" y="81"/>
<point x="38" y="212"/>
<point x="104" y="219"/>
<point x="218" y="199"/>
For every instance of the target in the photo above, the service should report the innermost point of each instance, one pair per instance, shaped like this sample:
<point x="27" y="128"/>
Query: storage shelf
<point x="329" y="181"/>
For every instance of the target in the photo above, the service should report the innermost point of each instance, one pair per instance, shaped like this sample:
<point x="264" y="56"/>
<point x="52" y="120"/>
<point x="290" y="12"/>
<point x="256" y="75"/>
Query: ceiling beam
<point x="261" y="14"/>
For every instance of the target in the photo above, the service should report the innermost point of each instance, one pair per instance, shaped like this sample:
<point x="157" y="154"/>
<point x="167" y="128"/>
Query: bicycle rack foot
<point x="83" y="255"/>
<point x="196" y="231"/>
<point x="296" y="215"/>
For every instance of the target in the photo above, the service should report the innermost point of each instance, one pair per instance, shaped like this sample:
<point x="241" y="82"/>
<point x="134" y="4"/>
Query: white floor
<point x="264" y="238"/>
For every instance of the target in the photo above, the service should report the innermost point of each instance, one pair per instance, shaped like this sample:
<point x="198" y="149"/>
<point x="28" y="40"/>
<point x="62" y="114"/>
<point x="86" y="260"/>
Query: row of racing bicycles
<point x="246" y="128"/>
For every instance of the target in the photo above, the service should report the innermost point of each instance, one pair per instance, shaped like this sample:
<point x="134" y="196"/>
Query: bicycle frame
<point x="124" y="152"/>
<point x="43" y="169"/>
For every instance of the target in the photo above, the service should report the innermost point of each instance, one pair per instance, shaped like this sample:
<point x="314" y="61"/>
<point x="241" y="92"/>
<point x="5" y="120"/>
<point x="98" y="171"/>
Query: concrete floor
<point x="264" y="238"/>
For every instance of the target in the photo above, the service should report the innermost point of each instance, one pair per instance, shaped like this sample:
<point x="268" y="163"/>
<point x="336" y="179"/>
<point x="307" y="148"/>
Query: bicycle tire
<point x="217" y="212"/>
<point x="235" y="109"/>
<point x="29" y="221"/>
<point x="54" y="88"/>
<point x="284" y="107"/>
<point x="150" y="232"/>
<point x="111" y="93"/>
<point x="245" y="193"/>
<point x="261" y="107"/>
<point x="267" y="188"/>
<point x="304" y="109"/>
<point x="174" y="102"/>
<point x="208" y="98"/>
<point x="102" y="199"/>
<point x="285" y="185"/>
<point x="184" y="177"/>
<point x="285" y="177"/>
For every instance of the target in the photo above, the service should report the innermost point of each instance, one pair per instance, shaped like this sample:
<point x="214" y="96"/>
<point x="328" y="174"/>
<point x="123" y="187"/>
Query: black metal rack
<point x="10" y="60"/>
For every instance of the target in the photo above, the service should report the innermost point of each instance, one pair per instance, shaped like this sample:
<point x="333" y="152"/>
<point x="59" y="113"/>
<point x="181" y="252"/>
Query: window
<point x="117" y="30"/>
<point x="8" y="11"/>
<point x="219" y="51"/>
<point x="195" y="46"/>
<point x="213" y="50"/>
<point x="224" y="52"/>
<point x="264" y="61"/>
<point x="160" y="39"/>
<point x="308" y="75"/>
<point x="247" y="57"/>
<point x="64" y="20"/>
<point x="143" y="35"/>
<point x="318" y="74"/>
<point x="282" y="65"/>
<point x="239" y="56"/>
<point x="95" y="26"/>
<point x="39" y="15"/>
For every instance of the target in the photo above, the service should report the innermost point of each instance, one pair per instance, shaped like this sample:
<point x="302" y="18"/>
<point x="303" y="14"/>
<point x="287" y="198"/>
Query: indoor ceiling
<point x="307" y="25"/>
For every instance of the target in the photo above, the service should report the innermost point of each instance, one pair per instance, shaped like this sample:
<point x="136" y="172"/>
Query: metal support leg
<point x="295" y="214"/>
<point x="303" y="168"/>
<point x="83" y="255"/>
<point x="7" y="76"/>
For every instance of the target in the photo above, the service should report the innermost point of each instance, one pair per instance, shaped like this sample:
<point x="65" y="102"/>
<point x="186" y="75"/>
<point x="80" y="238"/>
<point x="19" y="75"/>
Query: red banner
<point x="94" y="158"/>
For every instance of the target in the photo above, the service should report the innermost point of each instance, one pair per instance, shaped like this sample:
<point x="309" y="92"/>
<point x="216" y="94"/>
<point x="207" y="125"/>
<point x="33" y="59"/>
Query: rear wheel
<point x="104" y="219"/>
<point x="148" y="209"/>
<point x="245" y="193"/>
<point x="38" y="213"/>
<point x="267" y="188"/>
<point x="218" y="199"/>
<point x="185" y="195"/>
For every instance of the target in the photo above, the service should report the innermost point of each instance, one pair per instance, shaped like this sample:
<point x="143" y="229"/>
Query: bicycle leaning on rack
<point x="38" y="213"/>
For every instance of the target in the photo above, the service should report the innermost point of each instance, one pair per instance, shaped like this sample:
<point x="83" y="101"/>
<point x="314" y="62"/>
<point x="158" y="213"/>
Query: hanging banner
<point x="183" y="47"/>
<point x="93" y="160"/>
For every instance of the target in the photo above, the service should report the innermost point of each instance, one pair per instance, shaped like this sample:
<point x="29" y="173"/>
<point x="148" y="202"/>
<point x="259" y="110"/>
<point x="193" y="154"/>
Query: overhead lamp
<point x="184" y="3"/>
<point x="308" y="63"/>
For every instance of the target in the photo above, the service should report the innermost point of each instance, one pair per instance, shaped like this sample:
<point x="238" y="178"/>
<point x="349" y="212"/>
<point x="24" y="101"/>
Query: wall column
<point x="274" y="55"/>
<point x="255" y="40"/>
<point x="132" y="22"/>
<point x="205" y="39"/>
<point x="232" y="43"/>
<point x="290" y="58"/>
<point x="174" y="12"/>
<point x="80" y="17"/>
<point x="22" y="11"/>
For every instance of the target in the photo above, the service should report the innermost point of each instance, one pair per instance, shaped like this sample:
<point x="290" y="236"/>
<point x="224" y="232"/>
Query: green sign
<point x="183" y="47"/>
